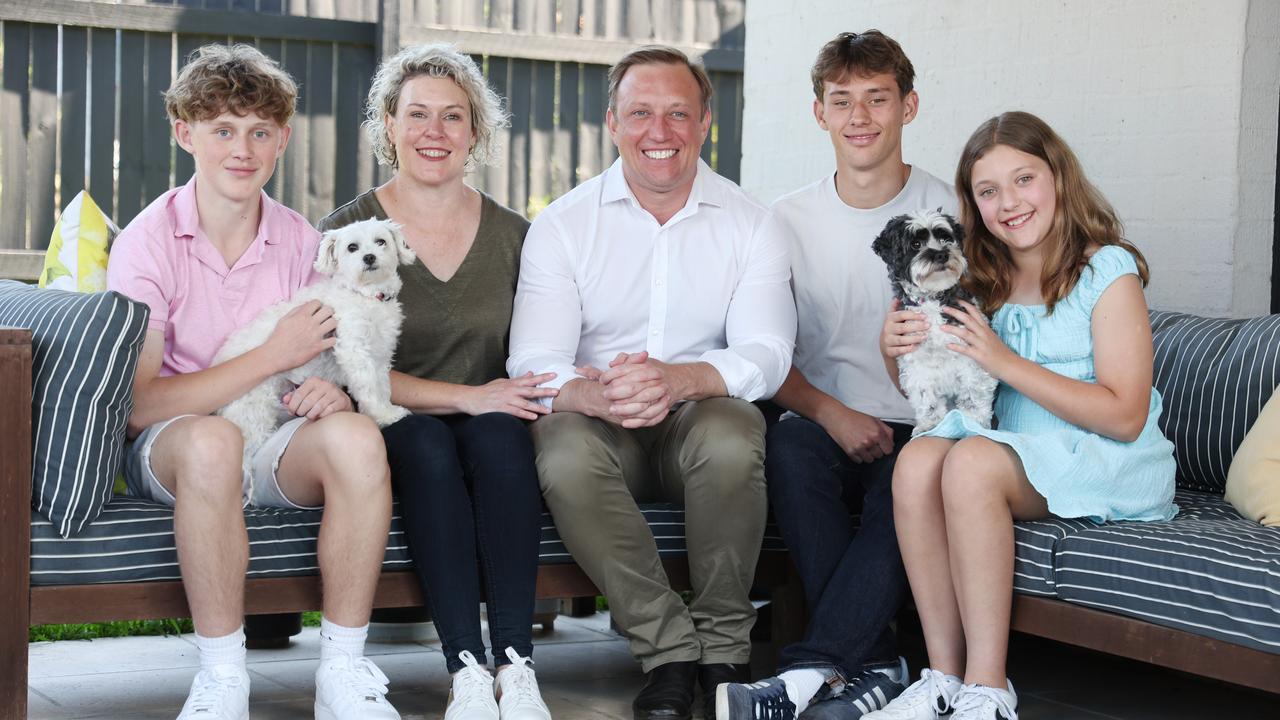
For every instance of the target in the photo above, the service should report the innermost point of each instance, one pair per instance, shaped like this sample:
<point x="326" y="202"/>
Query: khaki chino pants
<point x="707" y="456"/>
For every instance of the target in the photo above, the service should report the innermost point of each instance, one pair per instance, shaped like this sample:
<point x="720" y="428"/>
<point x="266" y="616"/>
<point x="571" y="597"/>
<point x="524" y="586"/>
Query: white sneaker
<point x="472" y="695"/>
<point x="219" y="693"/>
<point x="925" y="699"/>
<point x="979" y="702"/>
<point x="518" y="695"/>
<point x="351" y="688"/>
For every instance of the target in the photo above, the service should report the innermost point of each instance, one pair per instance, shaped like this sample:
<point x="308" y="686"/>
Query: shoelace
<point x="207" y="695"/>
<point x="773" y="704"/>
<point x="977" y="699"/>
<point x="472" y="685"/>
<point x="361" y="679"/>
<point x="519" y="686"/>
<point x="931" y="687"/>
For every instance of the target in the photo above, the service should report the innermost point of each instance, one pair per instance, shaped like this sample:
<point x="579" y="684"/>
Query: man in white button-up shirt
<point x="663" y="313"/>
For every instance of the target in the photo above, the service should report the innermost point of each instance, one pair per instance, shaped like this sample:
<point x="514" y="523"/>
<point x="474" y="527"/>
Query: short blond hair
<point x="236" y="78"/>
<point x="433" y="60"/>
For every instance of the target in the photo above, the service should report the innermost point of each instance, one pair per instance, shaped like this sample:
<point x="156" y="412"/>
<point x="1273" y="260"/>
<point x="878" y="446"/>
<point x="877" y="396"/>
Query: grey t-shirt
<point x="455" y="331"/>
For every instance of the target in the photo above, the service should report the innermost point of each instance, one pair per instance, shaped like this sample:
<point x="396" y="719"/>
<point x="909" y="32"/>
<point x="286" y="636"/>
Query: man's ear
<point x="611" y="122"/>
<point x="327" y="254"/>
<point x="182" y="133"/>
<point x="285" y="133"/>
<point x="910" y="106"/>
<point x="817" y="114"/>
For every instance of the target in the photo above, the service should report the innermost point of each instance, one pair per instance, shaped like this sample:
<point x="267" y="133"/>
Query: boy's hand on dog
<point x="305" y="332"/>
<point x="514" y="396"/>
<point x="903" y="331"/>
<point x="862" y="437"/>
<point x="980" y="342"/>
<point x="316" y="398"/>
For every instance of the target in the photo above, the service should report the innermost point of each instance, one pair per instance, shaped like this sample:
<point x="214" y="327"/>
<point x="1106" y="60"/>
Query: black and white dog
<point x="922" y="253"/>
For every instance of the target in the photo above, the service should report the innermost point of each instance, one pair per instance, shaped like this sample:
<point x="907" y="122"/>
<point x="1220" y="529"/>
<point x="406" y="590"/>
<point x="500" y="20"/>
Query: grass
<point x="127" y="628"/>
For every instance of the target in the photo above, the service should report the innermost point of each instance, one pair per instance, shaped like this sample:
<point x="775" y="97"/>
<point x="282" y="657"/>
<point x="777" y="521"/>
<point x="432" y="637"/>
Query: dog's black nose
<point x="937" y="256"/>
<point x="370" y="259"/>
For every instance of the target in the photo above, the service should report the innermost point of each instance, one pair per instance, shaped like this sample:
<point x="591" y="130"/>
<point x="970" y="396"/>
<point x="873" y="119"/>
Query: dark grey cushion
<point x="85" y="350"/>
<point x="1208" y="571"/>
<point x="1214" y="375"/>
<point x="133" y="542"/>
<point x="1034" y="545"/>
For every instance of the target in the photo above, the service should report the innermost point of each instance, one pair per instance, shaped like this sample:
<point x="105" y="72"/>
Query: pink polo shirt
<point x="165" y="260"/>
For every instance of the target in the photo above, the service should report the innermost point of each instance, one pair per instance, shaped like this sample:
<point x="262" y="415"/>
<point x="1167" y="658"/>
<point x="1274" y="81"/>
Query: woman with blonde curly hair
<point x="462" y="464"/>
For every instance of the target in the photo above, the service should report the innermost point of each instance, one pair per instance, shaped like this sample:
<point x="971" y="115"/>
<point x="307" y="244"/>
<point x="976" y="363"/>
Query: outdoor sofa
<point x="1200" y="593"/>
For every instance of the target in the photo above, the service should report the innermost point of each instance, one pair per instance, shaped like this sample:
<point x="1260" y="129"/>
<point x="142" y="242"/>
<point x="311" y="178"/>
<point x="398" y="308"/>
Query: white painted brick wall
<point x="1171" y="106"/>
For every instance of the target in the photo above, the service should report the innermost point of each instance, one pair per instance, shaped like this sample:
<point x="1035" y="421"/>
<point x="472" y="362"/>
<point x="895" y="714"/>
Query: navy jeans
<point x="853" y="579"/>
<point x="466" y="484"/>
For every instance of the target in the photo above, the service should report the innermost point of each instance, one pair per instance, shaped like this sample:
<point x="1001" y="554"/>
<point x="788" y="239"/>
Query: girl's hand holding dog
<point x="316" y="398"/>
<point x="514" y="396"/>
<point x="903" y="331"/>
<point x="980" y="342"/>
<point x="305" y="332"/>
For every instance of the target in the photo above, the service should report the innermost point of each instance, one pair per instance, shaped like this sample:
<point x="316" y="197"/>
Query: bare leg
<point x="198" y="460"/>
<point x="922" y="540"/>
<point x="341" y="462"/>
<point x="984" y="489"/>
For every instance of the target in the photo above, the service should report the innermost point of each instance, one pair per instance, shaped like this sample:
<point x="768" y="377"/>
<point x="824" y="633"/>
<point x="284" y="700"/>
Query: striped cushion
<point x="133" y="542"/>
<point x="1035" y="543"/>
<point x="84" y="352"/>
<point x="1215" y="375"/>
<point x="1208" y="571"/>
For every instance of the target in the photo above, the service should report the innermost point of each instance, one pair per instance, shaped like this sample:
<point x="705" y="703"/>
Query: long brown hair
<point x="1082" y="216"/>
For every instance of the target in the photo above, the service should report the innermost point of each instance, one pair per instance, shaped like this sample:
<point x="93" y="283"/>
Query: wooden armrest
<point x="15" y="516"/>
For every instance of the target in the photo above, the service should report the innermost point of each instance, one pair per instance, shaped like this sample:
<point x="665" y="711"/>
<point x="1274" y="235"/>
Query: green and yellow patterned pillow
<point x="77" y="256"/>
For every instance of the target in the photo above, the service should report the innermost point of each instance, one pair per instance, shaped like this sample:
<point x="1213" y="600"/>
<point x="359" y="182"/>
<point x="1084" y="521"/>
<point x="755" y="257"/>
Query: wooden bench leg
<point x="578" y="606"/>
<point x="15" y="521"/>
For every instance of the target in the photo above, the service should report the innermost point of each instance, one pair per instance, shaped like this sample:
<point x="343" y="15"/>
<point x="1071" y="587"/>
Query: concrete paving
<point x="585" y="671"/>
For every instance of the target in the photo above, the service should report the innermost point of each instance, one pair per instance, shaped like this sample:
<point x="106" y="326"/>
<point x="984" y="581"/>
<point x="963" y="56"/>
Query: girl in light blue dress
<point x="1076" y="432"/>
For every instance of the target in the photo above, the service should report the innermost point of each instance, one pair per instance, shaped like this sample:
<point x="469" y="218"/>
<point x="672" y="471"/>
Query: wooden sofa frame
<point x="22" y="605"/>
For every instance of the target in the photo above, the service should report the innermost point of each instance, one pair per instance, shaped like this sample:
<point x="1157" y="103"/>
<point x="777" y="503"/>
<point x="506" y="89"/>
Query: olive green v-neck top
<point x="455" y="331"/>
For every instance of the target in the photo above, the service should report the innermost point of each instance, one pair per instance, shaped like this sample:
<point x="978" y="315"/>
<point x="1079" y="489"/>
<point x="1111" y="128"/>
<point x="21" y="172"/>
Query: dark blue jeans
<point x="466" y="484"/>
<point x="853" y="579"/>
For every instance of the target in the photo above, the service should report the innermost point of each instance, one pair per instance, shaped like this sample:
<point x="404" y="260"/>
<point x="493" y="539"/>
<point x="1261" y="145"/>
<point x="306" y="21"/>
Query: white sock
<point x="225" y="650"/>
<point x="806" y="681"/>
<point x="893" y="672"/>
<point x="335" y="638"/>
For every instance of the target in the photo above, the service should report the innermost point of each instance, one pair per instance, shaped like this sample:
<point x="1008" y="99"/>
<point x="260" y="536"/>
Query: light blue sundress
<point x="1080" y="473"/>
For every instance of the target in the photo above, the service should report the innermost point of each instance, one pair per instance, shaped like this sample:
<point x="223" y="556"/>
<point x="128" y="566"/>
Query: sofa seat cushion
<point x="132" y="541"/>
<point x="1208" y="571"/>
<point x="1035" y="543"/>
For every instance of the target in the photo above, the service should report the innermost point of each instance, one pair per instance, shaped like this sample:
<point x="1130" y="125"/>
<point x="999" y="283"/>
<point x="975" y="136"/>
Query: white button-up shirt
<point x="599" y="276"/>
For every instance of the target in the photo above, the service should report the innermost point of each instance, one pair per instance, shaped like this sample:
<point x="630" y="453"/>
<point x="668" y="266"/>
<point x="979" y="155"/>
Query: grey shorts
<point x="259" y="487"/>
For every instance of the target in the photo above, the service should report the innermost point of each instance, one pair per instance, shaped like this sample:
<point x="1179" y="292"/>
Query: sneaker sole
<point x="722" y="702"/>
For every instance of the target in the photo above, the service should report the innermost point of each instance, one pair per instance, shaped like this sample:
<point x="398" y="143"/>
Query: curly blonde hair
<point x="433" y="60"/>
<point x="236" y="78"/>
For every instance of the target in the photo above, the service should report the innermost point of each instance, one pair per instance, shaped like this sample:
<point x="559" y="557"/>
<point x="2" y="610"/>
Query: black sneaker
<point x="862" y="694"/>
<point x="769" y="699"/>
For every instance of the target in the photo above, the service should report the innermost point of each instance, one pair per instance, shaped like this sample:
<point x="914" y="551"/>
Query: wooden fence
<point x="81" y="104"/>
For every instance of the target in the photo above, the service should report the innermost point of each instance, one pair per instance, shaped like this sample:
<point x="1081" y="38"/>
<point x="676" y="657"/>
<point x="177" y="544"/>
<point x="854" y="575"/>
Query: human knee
<point x="966" y="473"/>
<point x="726" y="439"/>
<point x="571" y="453"/>
<point x="917" y="471"/>
<point x="204" y="448"/>
<point x="352" y="449"/>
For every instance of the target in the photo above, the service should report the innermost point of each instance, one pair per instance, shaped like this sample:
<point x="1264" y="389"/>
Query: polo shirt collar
<point x="186" y="216"/>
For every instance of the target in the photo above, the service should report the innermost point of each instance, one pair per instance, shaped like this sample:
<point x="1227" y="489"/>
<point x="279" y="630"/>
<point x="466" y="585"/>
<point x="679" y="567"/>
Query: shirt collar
<point x="705" y="190"/>
<point x="186" y="215"/>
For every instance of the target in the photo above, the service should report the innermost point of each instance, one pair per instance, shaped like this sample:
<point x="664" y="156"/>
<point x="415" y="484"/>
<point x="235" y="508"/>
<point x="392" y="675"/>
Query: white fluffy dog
<point x="922" y="253"/>
<point x="361" y="260"/>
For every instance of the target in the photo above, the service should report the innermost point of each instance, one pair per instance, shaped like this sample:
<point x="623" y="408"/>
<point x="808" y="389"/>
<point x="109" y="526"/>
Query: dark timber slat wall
<point x="107" y="128"/>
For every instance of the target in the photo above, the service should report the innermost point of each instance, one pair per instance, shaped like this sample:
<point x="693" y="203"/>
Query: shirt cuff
<point x="742" y="378"/>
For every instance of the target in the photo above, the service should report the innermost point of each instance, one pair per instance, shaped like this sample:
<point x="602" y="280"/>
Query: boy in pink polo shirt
<point x="206" y="257"/>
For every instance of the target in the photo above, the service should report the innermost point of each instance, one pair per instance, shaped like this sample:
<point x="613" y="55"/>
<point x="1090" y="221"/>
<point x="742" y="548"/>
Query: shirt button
<point x="655" y="332"/>
<point x="658" y="282"/>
